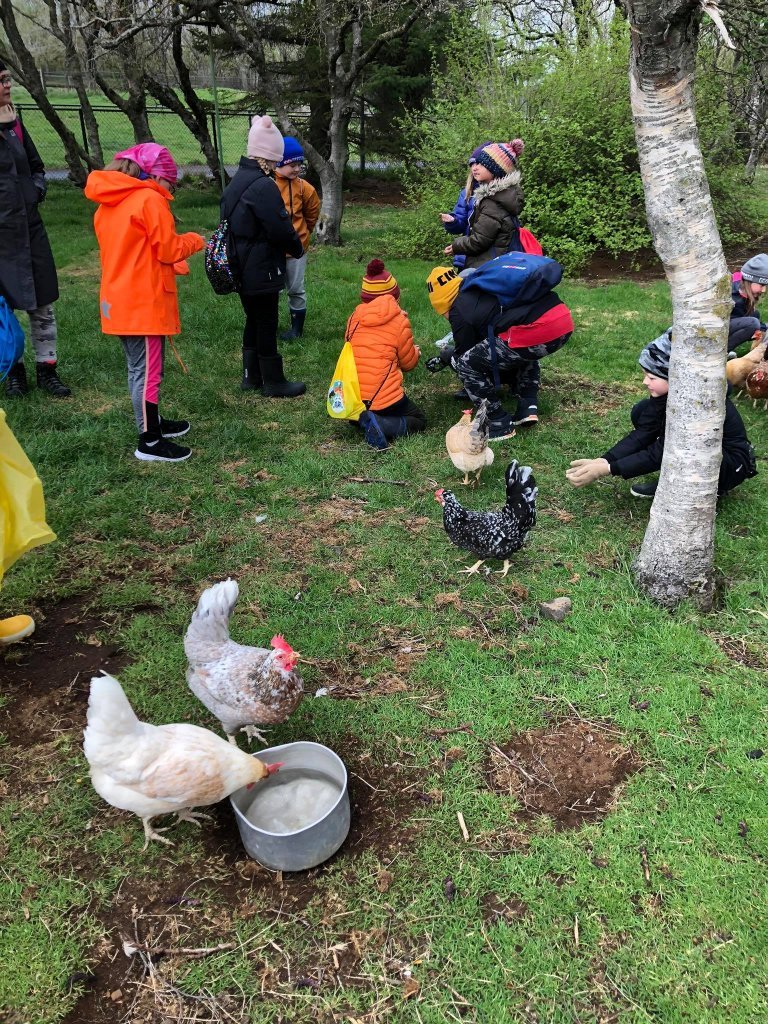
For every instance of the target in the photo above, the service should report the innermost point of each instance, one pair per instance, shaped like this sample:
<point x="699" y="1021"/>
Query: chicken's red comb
<point x="281" y="644"/>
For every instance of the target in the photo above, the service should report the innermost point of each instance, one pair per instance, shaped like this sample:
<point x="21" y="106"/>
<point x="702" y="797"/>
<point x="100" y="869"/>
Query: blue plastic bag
<point x="11" y="339"/>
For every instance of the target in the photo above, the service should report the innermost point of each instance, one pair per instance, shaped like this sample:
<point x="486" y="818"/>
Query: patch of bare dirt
<point x="571" y="772"/>
<point x="738" y="649"/>
<point x="499" y="910"/>
<point x="46" y="679"/>
<point x="372" y="191"/>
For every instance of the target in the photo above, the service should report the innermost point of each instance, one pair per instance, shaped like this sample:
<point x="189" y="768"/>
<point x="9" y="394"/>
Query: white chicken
<point x="242" y="686"/>
<point x="467" y="443"/>
<point x="159" y="769"/>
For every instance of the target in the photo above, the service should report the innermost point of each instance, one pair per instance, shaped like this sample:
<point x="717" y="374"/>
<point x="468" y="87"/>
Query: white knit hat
<point x="264" y="139"/>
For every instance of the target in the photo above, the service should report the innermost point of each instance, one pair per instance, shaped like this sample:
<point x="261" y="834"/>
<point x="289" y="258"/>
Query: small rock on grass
<point x="556" y="609"/>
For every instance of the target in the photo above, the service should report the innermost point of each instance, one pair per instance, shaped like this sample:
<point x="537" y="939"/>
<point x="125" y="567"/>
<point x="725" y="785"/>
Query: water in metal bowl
<point x="298" y="817"/>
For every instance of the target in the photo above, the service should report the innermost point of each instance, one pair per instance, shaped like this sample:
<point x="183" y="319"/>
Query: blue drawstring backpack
<point x="516" y="278"/>
<point x="11" y="339"/>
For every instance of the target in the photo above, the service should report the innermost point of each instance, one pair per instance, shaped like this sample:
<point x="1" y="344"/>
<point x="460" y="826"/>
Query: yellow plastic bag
<point x="22" y="507"/>
<point x="344" y="401"/>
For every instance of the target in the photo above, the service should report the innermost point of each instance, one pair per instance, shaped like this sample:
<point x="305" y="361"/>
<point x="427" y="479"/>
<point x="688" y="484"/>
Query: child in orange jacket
<point x="382" y="342"/>
<point x="303" y="205"/>
<point x="141" y="254"/>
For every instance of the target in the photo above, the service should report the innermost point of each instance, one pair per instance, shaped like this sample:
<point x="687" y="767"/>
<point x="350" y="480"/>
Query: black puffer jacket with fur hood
<point x="493" y="221"/>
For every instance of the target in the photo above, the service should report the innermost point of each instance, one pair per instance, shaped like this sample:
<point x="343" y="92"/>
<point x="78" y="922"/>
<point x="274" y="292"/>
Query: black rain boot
<point x="48" y="380"/>
<point x="251" y="371"/>
<point x="298" y="316"/>
<point x="275" y="385"/>
<point x="16" y="382"/>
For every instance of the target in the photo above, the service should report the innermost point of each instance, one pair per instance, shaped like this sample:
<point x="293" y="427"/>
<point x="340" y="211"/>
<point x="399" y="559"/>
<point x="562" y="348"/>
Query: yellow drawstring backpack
<point x="22" y="508"/>
<point x="344" y="401"/>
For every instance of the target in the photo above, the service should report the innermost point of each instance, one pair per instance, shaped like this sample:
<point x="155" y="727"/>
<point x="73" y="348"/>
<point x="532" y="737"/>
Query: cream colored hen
<point x="159" y="769"/>
<point x="242" y="686"/>
<point x="467" y="443"/>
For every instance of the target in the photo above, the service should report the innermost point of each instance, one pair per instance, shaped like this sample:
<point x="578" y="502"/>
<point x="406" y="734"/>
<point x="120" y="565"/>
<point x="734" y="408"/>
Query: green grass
<point x="687" y="947"/>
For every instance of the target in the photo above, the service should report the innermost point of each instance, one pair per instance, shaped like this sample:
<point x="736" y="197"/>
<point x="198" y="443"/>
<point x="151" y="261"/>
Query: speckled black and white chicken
<point x="242" y="686"/>
<point x="493" y="534"/>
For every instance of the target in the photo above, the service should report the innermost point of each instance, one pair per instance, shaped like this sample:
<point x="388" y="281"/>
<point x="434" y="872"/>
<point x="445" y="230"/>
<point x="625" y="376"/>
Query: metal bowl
<point x="308" y="846"/>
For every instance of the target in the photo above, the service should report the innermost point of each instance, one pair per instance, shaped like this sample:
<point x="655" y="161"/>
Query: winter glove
<point x="438" y="363"/>
<point x="586" y="471"/>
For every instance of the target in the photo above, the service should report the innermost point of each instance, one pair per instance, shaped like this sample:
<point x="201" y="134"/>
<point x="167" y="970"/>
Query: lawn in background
<point x="598" y="941"/>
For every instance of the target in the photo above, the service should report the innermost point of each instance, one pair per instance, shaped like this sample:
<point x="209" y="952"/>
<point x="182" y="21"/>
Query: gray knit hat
<point x="655" y="356"/>
<point x="756" y="269"/>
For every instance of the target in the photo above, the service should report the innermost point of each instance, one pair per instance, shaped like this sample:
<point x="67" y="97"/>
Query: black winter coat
<point x="642" y="450"/>
<point x="260" y="229"/>
<point x="27" y="271"/>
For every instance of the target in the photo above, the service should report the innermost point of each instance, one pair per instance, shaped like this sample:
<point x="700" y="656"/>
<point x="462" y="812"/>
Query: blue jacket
<point x="461" y="212"/>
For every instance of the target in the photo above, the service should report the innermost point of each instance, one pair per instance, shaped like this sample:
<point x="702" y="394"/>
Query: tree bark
<point x="676" y="561"/>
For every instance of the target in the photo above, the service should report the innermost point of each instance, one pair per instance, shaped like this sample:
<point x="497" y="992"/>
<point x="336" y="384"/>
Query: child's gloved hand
<point x="586" y="471"/>
<point x="435" y="364"/>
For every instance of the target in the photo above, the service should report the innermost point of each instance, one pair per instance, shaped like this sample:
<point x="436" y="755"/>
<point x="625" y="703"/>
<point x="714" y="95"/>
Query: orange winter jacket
<point x="302" y="203"/>
<point x="382" y="342"/>
<point x="139" y="247"/>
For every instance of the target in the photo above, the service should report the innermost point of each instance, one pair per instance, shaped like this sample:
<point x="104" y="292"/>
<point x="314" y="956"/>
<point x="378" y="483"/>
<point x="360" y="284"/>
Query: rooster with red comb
<point x="244" y="687"/>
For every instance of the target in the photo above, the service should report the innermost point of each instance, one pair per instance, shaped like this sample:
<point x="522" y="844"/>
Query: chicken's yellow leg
<point x="151" y="833"/>
<point x="187" y="815"/>
<point x="505" y="570"/>
<point x="465" y="481"/>
<point x="472" y="569"/>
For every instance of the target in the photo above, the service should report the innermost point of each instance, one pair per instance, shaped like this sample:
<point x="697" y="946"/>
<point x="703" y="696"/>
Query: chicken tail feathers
<point x="521" y="489"/>
<point x="110" y="716"/>
<point x="210" y="622"/>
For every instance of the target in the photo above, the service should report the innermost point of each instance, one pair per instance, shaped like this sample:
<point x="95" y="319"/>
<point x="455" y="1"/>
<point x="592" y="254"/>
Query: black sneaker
<point x="501" y="428"/>
<point x="526" y="416"/>
<point x="161" y="450"/>
<point x="644" y="490"/>
<point x="16" y="382"/>
<point x="174" y="428"/>
<point x="48" y="380"/>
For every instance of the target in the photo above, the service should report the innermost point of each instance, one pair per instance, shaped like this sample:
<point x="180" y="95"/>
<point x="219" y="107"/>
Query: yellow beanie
<point x="443" y="284"/>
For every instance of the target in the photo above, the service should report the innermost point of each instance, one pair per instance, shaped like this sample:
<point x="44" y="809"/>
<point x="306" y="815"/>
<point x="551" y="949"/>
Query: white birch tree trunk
<point x="676" y="561"/>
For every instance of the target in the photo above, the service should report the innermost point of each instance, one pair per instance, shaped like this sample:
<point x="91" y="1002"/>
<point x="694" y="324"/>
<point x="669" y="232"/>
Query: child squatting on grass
<point x="379" y="332"/>
<point x="642" y="450"/>
<point x="141" y="254"/>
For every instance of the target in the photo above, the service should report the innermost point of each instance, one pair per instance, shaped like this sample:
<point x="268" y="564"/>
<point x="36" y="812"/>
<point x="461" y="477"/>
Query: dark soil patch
<point x="233" y="887"/>
<point x="372" y="191"/>
<point x="645" y="265"/>
<point x="737" y="649"/>
<point x="570" y="772"/>
<point x="497" y="910"/>
<point x="46" y="679"/>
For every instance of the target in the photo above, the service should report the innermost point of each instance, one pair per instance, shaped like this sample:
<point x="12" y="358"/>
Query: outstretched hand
<point x="586" y="471"/>
<point x="448" y="250"/>
<point x="447" y="218"/>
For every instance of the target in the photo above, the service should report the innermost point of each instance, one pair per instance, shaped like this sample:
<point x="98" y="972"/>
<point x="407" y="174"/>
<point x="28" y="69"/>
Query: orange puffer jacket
<point x="382" y="341"/>
<point x="139" y="247"/>
<point x="302" y="203"/>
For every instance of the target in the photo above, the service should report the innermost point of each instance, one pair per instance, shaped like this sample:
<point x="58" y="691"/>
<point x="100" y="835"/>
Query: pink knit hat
<point x="153" y="159"/>
<point x="264" y="139"/>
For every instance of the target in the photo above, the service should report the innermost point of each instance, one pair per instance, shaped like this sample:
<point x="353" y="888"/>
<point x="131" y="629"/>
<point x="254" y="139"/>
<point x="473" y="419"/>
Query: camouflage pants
<point x="475" y="368"/>
<point x="42" y="333"/>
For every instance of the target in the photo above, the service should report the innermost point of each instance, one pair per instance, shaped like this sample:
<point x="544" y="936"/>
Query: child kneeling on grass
<point x="141" y="254"/>
<point x="379" y="332"/>
<point x="642" y="450"/>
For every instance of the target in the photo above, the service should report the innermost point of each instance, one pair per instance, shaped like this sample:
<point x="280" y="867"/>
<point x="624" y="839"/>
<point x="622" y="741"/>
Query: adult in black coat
<point x="260" y="235"/>
<point x="27" y="272"/>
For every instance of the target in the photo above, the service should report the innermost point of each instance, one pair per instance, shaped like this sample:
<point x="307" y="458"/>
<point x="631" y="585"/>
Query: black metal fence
<point x="116" y="133"/>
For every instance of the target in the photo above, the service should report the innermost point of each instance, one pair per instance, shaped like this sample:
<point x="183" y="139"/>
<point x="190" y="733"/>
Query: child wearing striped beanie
<point x="498" y="201"/>
<point x="378" y="281"/>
